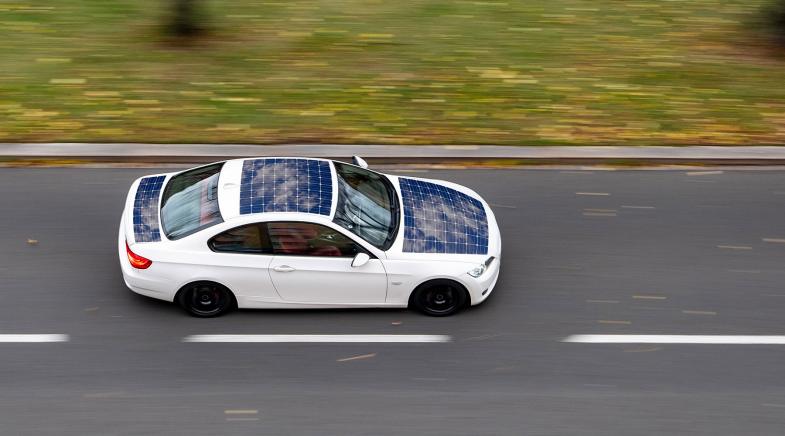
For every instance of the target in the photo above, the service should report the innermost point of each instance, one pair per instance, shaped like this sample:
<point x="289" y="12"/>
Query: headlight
<point x="479" y="269"/>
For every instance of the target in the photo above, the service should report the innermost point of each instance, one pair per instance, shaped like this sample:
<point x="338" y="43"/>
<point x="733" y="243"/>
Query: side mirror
<point x="360" y="162"/>
<point x="360" y="260"/>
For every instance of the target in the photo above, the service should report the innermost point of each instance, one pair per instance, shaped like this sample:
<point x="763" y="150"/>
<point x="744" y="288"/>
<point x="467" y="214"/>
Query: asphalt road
<point x="664" y="252"/>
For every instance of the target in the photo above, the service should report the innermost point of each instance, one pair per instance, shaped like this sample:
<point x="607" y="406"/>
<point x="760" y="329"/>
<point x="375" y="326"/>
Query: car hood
<point x="443" y="220"/>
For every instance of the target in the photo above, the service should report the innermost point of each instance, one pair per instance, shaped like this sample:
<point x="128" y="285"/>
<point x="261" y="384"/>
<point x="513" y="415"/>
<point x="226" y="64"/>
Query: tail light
<point x="136" y="260"/>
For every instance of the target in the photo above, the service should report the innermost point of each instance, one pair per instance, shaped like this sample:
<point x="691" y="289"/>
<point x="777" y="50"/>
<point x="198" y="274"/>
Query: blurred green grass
<point x="633" y="72"/>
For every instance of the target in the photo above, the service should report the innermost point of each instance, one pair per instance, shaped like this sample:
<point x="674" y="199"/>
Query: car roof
<point x="277" y="185"/>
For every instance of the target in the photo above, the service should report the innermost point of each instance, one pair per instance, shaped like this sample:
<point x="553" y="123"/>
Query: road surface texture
<point x="585" y="252"/>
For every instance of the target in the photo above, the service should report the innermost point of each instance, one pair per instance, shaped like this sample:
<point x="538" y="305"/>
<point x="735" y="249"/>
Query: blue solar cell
<point x="438" y="219"/>
<point x="145" y="216"/>
<point x="286" y="185"/>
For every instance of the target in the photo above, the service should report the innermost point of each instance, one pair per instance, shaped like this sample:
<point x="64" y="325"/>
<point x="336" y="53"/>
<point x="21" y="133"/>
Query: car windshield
<point x="190" y="202"/>
<point x="367" y="205"/>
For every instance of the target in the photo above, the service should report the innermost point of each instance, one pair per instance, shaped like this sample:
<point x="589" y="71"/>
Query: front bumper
<point x="482" y="286"/>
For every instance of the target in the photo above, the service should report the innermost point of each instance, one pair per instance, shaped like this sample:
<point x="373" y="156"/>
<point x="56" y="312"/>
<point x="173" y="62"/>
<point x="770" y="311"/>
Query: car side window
<point x="250" y="238"/>
<point x="309" y="239"/>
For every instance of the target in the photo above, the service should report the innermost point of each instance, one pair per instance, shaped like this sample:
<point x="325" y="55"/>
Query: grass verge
<point x="406" y="72"/>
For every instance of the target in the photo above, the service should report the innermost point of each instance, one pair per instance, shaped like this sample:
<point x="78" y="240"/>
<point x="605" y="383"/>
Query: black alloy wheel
<point x="206" y="300"/>
<point x="440" y="298"/>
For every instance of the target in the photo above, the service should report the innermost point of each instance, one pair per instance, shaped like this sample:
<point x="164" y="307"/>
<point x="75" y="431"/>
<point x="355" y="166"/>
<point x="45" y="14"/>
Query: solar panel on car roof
<point x="145" y="214"/>
<point x="286" y="185"/>
<point x="438" y="219"/>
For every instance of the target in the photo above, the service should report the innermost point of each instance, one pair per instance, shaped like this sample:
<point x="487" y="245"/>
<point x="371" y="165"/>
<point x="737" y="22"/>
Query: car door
<point x="312" y="263"/>
<point x="242" y="256"/>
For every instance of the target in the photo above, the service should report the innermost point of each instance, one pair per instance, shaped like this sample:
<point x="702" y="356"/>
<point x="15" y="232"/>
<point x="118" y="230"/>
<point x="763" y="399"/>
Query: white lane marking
<point x="677" y="339"/>
<point x="703" y="173"/>
<point x="360" y="357"/>
<point x="598" y="214"/>
<point x="593" y="193"/>
<point x="241" y="411"/>
<point x="735" y="247"/>
<point x="20" y="338"/>
<point x="637" y="207"/>
<point x="320" y="338"/>
<point x="775" y="240"/>
<point x="698" y="312"/>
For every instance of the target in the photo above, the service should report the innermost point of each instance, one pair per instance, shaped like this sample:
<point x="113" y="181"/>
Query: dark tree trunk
<point x="185" y="18"/>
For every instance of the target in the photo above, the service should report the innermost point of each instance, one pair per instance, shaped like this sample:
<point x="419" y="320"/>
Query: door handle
<point x="283" y="268"/>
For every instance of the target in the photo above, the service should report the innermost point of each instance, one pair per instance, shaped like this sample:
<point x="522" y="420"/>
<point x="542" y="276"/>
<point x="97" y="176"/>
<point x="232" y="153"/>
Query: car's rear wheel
<point x="439" y="298"/>
<point x="206" y="299"/>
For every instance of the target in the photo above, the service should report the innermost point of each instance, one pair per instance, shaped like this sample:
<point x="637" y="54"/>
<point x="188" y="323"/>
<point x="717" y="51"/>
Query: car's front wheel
<point x="439" y="298"/>
<point x="206" y="299"/>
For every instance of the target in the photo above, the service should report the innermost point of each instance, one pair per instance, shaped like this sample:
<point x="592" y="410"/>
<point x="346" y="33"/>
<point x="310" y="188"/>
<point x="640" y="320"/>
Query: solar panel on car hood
<point x="438" y="219"/>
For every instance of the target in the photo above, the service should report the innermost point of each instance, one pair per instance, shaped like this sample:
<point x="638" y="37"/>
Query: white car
<point x="306" y="233"/>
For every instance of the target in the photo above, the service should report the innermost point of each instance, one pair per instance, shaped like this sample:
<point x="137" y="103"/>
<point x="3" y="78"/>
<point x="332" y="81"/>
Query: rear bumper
<point x="144" y="282"/>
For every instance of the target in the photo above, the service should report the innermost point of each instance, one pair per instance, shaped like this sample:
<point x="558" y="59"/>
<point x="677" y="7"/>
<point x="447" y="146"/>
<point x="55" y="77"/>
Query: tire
<point x="206" y="299"/>
<point x="439" y="297"/>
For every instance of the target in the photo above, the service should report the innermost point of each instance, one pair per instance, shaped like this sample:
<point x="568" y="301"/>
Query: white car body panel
<point x="323" y="280"/>
<point x="387" y="280"/>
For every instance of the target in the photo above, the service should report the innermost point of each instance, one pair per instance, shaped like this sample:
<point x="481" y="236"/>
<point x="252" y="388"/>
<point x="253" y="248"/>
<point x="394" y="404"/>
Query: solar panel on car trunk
<point x="145" y="214"/>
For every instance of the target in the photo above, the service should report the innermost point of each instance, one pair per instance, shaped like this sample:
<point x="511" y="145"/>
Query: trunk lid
<point x="142" y="209"/>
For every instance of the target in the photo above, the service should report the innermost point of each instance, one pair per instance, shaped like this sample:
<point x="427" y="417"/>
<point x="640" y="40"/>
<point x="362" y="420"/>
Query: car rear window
<point x="190" y="202"/>
<point x="250" y="238"/>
